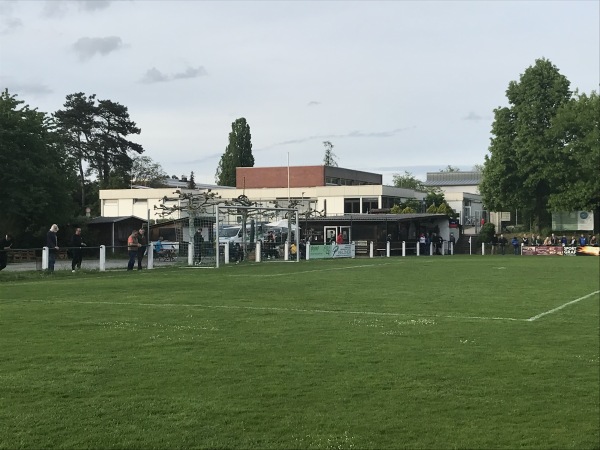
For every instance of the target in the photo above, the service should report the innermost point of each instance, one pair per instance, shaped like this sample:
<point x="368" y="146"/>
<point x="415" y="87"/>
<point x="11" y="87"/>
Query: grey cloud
<point x="474" y="116"/>
<point x="352" y="134"/>
<point x="88" y="47"/>
<point x="55" y="8"/>
<point x="93" y="5"/>
<point x="32" y="89"/>
<point x="60" y="8"/>
<point x="156" y="76"/>
<point x="191" y="72"/>
<point x="313" y="103"/>
<point x="9" y="25"/>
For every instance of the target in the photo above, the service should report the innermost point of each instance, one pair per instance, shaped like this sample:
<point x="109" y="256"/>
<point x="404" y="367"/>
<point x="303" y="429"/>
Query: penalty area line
<point x="276" y="309"/>
<point x="558" y="308"/>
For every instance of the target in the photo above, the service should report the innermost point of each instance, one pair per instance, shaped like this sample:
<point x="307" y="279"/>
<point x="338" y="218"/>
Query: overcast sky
<point x="394" y="85"/>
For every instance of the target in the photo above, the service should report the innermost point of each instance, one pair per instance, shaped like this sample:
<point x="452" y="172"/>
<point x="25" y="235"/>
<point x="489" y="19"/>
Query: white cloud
<point x="154" y="75"/>
<point x="87" y="47"/>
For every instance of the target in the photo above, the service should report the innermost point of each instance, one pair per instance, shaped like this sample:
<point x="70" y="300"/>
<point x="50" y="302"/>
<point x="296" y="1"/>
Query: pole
<point x="288" y="175"/>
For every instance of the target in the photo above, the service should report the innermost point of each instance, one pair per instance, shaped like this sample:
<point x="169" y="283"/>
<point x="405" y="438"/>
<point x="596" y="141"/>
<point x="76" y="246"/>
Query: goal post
<point x="242" y="231"/>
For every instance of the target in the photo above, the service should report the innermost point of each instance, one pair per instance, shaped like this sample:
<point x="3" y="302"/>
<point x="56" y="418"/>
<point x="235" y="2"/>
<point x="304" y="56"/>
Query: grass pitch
<point x="429" y="352"/>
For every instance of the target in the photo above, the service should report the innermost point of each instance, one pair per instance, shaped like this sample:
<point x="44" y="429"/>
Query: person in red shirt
<point x="339" y="239"/>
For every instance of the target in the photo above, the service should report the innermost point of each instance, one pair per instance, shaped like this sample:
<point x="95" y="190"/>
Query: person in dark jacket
<point x="142" y="248"/>
<point x="52" y="244"/>
<point x="76" y="251"/>
<point x="5" y="245"/>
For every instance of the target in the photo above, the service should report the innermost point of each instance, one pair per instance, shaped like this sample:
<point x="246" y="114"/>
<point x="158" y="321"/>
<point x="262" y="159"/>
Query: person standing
<point x="143" y="243"/>
<point x="5" y="245"/>
<point x="198" y="241"/>
<point x="132" y="248"/>
<point x="76" y="251"/>
<point x="339" y="240"/>
<point x="582" y="241"/>
<point x="502" y="241"/>
<point x="52" y="244"/>
<point x="494" y="243"/>
<point x="515" y="244"/>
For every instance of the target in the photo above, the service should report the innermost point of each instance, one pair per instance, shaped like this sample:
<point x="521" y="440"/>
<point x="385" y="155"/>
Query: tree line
<point x="544" y="154"/>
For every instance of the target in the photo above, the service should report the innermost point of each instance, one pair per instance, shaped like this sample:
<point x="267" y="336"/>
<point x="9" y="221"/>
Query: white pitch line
<point x="531" y="319"/>
<point x="309" y="271"/>
<point x="264" y="308"/>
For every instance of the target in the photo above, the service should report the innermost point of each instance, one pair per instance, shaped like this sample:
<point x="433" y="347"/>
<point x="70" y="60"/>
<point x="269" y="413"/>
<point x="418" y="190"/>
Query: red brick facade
<point x="277" y="177"/>
<point x="301" y="176"/>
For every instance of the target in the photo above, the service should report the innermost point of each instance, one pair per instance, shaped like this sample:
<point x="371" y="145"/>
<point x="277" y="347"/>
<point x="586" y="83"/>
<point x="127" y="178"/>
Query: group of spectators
<point x="500" y="242"/>
<point x="581" y="241"/>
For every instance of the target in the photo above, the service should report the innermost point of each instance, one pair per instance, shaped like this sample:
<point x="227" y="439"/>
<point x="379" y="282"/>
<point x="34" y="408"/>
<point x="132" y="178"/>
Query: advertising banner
<point x="588" y="251"/>
<point x="332" y="251"/>
<point x="570" y="251"/>
<point x="549" y="250"/>
<point x="542" y="250"/>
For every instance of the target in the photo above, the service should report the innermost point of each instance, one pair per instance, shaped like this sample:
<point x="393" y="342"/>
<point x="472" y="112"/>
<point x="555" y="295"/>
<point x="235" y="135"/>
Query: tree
<point x="37" y="177"/>
<point x="521" y="167"/>
<point x="238" y="153"/>
<point x="450" y="168"/>
<point x="77" y="124"/>
<point x="576" y="127"/>
<point x="329" y="159"/>
<point x="146" y="172"/>
<point x="407" y="181"/>
<point x="96" y="134"/>
<point x="112" y="150"/>
<point x="191" y="181"/>
<point x="434" y="197"/>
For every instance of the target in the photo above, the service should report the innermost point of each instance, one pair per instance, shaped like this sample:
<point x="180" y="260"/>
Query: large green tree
<point x="407" y="181"/>
<point x="77" y="124"/>
<point x="146" y="172"/>
<point x="37" y="177"/>
<point x="95" y="134"/>
<point x="238" y="153"/>
<point x="523" y="154"/>
<point x="577" y="127"/>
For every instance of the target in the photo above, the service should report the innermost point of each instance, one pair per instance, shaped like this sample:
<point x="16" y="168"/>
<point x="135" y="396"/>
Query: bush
<point x="487" y="231"/>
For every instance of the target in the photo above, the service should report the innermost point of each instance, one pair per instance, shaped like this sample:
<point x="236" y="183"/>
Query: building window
<point x="369" y="204"/>
<point x="352" y="206"/>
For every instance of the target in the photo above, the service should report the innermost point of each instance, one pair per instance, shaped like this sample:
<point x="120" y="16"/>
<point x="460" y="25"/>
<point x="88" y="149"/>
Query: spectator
<point x="143" y="243"/>
<point x="563" y="240"/>
<point x="132" y="248"/>
<point x="573" y="242"/>
<point x="525" y="240"/>
<point x="198" y="241"/>
<point x="594" y="241"/>
<point x="494" y="243"/>
<point x="422" y="244"/>
<point x="5" y="245"/>
<point x="515" y="244"/>
<point x="76" y="250"/>
<point x="158" y="247"/>
<point x="502" y="241"/>
<point x="547" y="241"/>
<point x="52" y="244"/>
<point x="339" y="239"/>
<point x="582" y="241"/>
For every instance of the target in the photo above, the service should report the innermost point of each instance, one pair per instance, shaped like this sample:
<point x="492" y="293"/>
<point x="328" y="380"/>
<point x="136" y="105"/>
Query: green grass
<point x="381" y="353"/>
